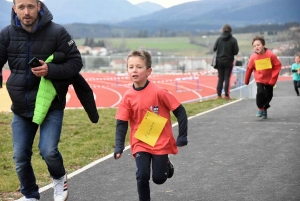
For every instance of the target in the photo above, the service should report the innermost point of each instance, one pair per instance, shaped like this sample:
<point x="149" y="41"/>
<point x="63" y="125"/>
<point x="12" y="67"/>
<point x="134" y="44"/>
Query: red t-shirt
<point x="133" y="108"/>
<point x="266" y="76"/>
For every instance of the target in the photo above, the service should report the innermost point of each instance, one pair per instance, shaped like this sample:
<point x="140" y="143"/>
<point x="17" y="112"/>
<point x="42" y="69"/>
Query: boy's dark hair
<point x="227" y="28"/>
<point x="144" y="55"/>
<point x="260" y="38"/>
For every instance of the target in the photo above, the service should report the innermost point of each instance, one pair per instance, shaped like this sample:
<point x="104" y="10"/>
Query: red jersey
<point x="267" y="76"/>
<point x="133" y="108"/>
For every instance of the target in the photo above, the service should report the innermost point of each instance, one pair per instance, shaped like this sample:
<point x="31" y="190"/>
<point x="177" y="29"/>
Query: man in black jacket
<point x="33" y="34"/>
<point x="226" y="47"/>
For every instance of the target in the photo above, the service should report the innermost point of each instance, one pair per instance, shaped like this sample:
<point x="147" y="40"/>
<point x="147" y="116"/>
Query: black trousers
<point x="296" y="87"/>
<point x="159" y="172"/>
<point x="264" y="95"/>
<point x="224" y="74"/>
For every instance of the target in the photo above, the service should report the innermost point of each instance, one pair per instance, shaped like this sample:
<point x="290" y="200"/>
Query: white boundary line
<point x="44" y="188"/>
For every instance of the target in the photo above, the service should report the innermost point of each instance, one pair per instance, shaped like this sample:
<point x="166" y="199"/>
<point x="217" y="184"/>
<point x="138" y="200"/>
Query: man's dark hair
<point x="227" y="28"/>
<point x="14" y="1"/>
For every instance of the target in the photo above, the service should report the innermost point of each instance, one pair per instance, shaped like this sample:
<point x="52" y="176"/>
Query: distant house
<point x="276" y="51"/>
<point x="99" y="51"/>
<point x="172" y="65"/>
<point x="118" y="63"/>
<point x="84" y="49"/>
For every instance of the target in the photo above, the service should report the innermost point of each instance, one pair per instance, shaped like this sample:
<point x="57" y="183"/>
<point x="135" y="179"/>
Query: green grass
<point x="181" y="46"/>
<point x="81" y="143"/>
<point x="176" y="45"/>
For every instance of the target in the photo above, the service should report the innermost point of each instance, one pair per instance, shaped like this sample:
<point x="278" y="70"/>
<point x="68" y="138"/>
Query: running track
<point x="108" y="88"/>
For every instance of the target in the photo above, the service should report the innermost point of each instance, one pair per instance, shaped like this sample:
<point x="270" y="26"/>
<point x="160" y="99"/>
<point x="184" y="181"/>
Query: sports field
<point x="108" y="88"/>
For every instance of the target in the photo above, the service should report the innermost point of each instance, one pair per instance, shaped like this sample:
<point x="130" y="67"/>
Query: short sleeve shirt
<point x="296" y="76"/>
<point x="133" y="108"/>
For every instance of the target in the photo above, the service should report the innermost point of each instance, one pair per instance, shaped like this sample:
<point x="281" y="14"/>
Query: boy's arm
<point x="249" y="71"/>
<point x="294" y="69"/>
<point x="182" y="120"/>
<point x="121" y="130"/>
<point x="276" y="70"/>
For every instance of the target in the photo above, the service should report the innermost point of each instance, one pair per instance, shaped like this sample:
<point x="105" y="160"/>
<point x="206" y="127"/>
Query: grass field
<point x="181" y="46"/>
<point x="81" y="143"/>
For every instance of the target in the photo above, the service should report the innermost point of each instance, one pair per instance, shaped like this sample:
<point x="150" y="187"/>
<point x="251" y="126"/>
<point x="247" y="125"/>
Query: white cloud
<point x="164" y="3"/>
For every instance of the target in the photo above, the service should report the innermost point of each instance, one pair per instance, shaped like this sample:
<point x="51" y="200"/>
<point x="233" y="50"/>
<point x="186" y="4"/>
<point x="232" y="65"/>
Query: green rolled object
<point x="46" y="94"/>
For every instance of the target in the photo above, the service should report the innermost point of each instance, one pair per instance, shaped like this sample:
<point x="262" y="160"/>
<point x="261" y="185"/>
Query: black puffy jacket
<point x="226" y="46"/>
<point x="18" y="46"/>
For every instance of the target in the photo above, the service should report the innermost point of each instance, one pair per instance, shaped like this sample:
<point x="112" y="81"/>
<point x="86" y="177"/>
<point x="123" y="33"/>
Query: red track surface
<point x="108" y="88"/>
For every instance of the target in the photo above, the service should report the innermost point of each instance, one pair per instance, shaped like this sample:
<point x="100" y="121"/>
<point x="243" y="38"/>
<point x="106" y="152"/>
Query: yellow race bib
<point x="150" y="128"/>
<point x="263" y="64"/>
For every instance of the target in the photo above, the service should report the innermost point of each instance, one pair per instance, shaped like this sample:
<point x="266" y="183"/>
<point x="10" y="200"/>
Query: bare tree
<point x="294" y="41"/>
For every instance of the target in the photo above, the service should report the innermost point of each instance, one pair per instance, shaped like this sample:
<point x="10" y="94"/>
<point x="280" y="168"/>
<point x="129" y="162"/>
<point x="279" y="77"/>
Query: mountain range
<point x="191" y="16"/>
<point x="212" y="14"/>
<point x="87" y="11"/>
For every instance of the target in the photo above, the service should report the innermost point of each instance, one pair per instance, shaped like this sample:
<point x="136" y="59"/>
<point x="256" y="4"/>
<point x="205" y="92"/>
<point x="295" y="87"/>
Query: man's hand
<point x="41" y="70"/>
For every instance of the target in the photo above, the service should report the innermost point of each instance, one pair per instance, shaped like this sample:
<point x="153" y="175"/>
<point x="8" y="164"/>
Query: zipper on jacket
<point x="27" y="73"/>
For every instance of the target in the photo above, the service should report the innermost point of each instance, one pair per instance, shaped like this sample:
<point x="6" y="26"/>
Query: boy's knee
<point x="159" y="179"/>
<point x="142" y="176"/>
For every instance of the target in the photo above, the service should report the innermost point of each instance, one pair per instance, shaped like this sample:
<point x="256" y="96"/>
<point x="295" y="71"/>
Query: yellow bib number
<point x="263" y="64"/>
<point x="150" y="128"/>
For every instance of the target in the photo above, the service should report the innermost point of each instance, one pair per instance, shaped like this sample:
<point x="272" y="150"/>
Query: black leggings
<point x="296" y="87"/>
<point x="159" y="172"/>
<point x="224" y="74"/>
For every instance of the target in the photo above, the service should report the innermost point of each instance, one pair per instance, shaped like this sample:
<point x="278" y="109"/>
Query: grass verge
<point x="81" y="143"/>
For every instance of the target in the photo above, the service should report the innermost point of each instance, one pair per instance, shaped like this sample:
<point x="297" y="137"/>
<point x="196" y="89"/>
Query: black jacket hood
<point x="226" y="36"/>
<point x="45" y="16"/>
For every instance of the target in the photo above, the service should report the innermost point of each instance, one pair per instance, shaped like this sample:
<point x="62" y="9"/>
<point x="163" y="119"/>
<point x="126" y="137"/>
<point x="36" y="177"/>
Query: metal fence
<point x="161" y="64"/>
<point x="188" y="65"/>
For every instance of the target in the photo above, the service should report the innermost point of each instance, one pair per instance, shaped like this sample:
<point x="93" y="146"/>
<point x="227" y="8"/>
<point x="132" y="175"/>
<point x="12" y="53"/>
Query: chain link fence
<point x="193" y="66"/>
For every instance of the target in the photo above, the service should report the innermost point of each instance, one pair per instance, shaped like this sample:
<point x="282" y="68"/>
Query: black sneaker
<point x="170" y="169"/>
<point x="264" y="114"/>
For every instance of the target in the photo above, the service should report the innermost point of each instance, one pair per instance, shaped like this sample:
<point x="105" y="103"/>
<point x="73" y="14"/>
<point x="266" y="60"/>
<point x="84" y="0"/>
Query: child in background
<point x="238" y="61"/>
<point x="266" y="67"/>
<point x="145" y="96"/>
<point x="296" y="73"/>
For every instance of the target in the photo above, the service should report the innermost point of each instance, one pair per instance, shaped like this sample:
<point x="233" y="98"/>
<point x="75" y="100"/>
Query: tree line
<point x="80" y="30"/>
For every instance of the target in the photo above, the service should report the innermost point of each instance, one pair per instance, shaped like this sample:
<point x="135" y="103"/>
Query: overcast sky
<point x="164" y="3"/>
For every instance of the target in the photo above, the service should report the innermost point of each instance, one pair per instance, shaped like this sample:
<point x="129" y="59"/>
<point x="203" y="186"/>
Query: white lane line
<point x="42" y="189"/>
<point x="119" y="94"/>
<point x="188" y="89"/>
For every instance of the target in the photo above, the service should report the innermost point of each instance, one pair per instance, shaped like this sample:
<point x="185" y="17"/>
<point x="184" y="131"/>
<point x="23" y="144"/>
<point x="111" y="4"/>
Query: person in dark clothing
<point x="238" y="62"/>
<point x="33" y="34"/>
<point x="1" y="78"/>
<point x="227" y="47"/>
